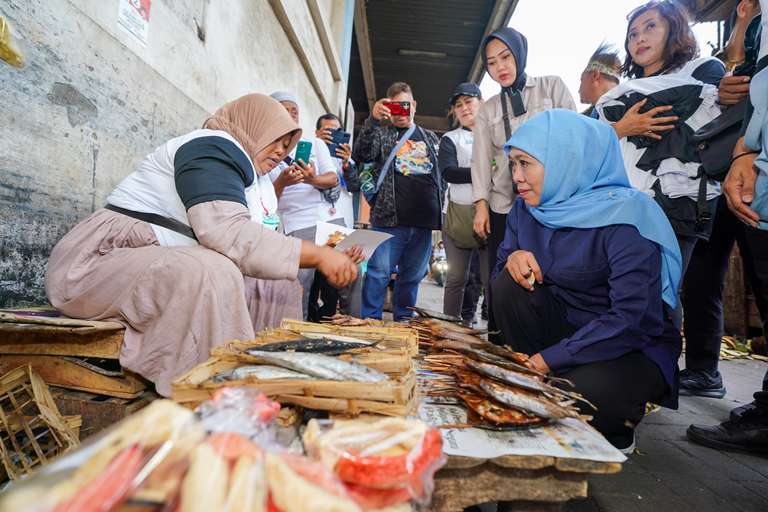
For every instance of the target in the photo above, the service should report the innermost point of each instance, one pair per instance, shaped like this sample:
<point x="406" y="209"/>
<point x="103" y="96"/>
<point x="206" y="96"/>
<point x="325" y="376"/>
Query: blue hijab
<point x="586" y="185"/>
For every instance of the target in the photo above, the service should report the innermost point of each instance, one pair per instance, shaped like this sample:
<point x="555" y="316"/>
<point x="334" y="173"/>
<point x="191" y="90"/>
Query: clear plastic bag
<point x="382" y="463"/>
<point x="224" y="457"/>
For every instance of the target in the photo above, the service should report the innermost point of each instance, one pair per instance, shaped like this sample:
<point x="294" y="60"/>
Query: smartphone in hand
<point x="303" y="151"/>
<point x="399" y="108"/>
<point x="338" y="137"/>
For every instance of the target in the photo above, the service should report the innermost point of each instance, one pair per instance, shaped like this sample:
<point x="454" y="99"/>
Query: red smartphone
<point x="399" y="108"/>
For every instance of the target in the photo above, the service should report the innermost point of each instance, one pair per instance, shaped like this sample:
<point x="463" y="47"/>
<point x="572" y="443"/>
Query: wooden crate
<point x="58" y="371"/>
<point x="97" y="412"/>
<point x="20" y="334"/>
<point x="393" y="362"/>
<point x="395" y="397"/>
<point x="392" y="336"/>
<point x="32" y="430"/>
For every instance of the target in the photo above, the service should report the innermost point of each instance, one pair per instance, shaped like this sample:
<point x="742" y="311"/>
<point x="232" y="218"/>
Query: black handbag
<point x="715" y="141"/>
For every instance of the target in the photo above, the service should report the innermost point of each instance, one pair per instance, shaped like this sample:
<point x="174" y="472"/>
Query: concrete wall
<point x="91" y="102"/>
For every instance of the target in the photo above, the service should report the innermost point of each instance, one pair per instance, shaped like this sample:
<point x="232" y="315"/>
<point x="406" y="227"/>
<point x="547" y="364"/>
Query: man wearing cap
<point x="602" y="74"/>
<point x="454" y="160"/>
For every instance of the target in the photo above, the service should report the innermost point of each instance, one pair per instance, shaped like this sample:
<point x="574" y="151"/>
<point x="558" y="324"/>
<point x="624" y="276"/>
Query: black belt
<point x="158" y="220"/>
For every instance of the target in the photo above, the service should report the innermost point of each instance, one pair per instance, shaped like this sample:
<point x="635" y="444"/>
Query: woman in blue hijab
<point x="588" y="271"/>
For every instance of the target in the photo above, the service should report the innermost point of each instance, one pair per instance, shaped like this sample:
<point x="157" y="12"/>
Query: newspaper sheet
<point x="569" y="438"/>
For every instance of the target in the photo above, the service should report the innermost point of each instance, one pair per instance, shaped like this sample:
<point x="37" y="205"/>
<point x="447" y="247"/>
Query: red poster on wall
<point x="133" y="18"/>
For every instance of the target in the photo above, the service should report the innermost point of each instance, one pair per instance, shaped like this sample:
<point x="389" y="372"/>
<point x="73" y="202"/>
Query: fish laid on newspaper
<point x="259" y="372"/>
<point x="497" y="414"/>
<point x="329" y="345"/>
<point x="320" y="366"/>
<point x="526" y="401"/>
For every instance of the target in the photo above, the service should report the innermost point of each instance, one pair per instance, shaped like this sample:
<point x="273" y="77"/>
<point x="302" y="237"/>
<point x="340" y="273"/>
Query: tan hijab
<point x="255" y="121"/>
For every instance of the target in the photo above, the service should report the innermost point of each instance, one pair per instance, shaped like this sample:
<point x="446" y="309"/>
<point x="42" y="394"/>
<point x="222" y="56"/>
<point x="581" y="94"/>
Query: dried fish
<point x="319" y="365"/>
<point x="329" y="345"/>
<point x="495" y="413"/>
<point x="511" y="377"/>
<point x="428" y="313"/>
<point x="526" y="401"/>
<point x="259" y="372"/>
<point x="436" y="323"/>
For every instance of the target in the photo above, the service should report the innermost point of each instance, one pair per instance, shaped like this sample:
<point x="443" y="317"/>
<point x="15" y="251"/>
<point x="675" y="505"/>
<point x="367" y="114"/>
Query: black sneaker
<point x="701" y="383"/>
<point x="748" y="435"/>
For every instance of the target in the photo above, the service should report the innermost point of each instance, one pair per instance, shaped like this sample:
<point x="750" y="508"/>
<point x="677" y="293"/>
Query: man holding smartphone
<point x="324" y="298"/>
<point x="299" y="182"/>
<point x="405" y="193"/>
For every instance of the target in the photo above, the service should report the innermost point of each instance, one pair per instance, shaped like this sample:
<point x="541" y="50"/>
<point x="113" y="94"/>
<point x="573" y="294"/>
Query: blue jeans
<point x="408" y="250"/>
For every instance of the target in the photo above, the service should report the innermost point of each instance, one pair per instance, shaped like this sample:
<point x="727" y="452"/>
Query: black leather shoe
<point x="701" y="383"/>
<point x="748" y="436"/>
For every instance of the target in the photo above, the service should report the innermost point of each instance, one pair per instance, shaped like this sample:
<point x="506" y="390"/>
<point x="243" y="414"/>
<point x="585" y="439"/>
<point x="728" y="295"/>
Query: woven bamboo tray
<point x="395" y="397"/>
<point x="400" y="336"/>
<point x="394" y="362"/>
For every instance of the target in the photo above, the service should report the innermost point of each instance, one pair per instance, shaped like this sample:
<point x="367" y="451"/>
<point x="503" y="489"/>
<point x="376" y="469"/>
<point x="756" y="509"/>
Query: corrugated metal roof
<point x="451" y="27"/>
<point x="710" y="10"/>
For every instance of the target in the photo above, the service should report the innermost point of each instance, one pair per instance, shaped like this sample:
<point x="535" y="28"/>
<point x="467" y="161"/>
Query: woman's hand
<point x="537" y="363"/>
<point x="355" y="253"/>
<point x="482" y="222"/>
<point x="339" y="269"/>
<point x="733" y="89"/>
<point x="646" y="124"/>
<point x="380" y="112"/>
<point x="524" y="269"/>
<point x="291" y="175"/>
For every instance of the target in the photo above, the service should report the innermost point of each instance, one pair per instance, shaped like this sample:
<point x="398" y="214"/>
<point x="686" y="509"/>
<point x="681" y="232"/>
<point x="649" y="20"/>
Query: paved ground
<point x="668" y="473"/>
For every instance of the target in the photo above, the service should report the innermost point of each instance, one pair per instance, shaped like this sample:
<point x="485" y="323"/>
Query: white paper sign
<point x="368" y="240"/>
<point x="326" y="229"/>
<point x="569" y="438"/>
<point x="133" y="18"/>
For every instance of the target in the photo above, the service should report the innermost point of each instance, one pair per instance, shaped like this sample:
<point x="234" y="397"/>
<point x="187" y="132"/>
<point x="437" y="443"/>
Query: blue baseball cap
<point x="465" y="89"/>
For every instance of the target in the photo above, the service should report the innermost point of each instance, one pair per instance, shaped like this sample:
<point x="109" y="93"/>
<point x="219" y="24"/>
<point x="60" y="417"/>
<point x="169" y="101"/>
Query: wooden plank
<point x="324" y="33"/>
<point x="366" y="55"/>
<point x="8" y="316"/>
<point x="60" y="372"/>
<point x="60" y="341"/>
<point x="456" y="489"/>
<point x="98" y="412"/>
<point x="735" y="306"/>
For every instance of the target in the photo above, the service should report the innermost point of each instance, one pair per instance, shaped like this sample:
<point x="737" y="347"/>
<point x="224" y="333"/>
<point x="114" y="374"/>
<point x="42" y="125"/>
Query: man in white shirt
<point x="324" y="298"/>
<point x="299" y="187"/>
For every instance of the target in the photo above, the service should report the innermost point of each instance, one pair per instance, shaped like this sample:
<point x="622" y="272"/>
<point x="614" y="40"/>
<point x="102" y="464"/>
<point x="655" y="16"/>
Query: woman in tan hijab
<point x="168" y="254"/>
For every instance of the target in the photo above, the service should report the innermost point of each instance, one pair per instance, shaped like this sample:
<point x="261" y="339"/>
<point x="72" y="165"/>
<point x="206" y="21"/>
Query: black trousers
<point x="498" y="228"/>
<point x="619" y="388"/>
<point x="705" y="280"/>
<point x="321" y="290"/>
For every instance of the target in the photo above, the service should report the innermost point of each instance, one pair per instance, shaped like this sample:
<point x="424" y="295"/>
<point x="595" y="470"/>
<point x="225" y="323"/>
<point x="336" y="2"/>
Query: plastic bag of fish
<point x="222" y="457"/>
<point x="382" y="463"/>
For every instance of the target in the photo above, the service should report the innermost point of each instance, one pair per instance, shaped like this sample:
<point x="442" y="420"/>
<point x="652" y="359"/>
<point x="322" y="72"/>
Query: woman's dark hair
<point x="681" y="44"/>
<point x="326" y="117"/>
